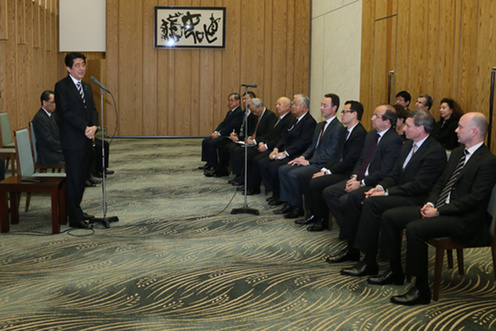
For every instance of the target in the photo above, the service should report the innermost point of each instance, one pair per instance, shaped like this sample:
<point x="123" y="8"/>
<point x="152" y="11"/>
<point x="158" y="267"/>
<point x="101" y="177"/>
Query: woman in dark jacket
<point x="444" y="129"/>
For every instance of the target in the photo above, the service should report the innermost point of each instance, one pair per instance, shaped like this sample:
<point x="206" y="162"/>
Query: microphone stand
<point x="104" y="220"/>
<point x="245" y="209"/>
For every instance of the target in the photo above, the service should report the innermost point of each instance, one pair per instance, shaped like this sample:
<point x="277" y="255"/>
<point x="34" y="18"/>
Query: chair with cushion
<point x="447" y="244"/>
<point x="29" y="181"/>
<point x="7" y="146"/>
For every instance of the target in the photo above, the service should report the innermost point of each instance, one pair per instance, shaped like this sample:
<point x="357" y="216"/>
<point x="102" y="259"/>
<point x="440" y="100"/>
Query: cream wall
<point x="335" y="51"/>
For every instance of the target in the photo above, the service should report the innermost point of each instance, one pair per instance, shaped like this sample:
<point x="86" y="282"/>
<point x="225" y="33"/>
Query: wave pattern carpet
<point x="178" y="260"/>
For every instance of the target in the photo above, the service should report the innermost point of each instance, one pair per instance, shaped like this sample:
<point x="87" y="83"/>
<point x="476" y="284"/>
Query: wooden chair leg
<point x="449" y="254"/>
<point x="438" y="269"/>
<point x="28" y="200"/>
<point x="459" y="257"/>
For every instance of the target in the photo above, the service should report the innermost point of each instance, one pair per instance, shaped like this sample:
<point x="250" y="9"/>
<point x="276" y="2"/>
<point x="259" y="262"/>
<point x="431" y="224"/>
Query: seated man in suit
<point x="47" y="134"/>
<point x="332" y="173"/>
<point x="326" y="146"/>
<point x="421" y="162"/>
<point x="267" y="143"/>
<point x="260" y="121"/>
<point x="381" y="149"/>
<point x="231" y="122"/>
<point x="294" y="142"/>
<point x="456" y="207"/>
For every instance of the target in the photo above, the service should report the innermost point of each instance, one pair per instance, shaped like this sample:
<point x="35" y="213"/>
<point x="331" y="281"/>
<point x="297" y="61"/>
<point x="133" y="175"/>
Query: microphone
<point x="250" y="85"/>
<point x="94" y="80"/>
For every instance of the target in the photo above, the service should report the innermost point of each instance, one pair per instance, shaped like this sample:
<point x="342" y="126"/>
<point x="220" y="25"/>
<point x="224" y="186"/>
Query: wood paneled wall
<point x="443" y="48"/>
<point x="28" y="56"/>
<point x="183" y="92"/>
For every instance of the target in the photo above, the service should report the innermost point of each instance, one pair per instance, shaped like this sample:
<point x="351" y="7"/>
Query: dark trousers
<point x="2" y="169"/>
<point x="269" y="171"/>
<point x="346" y="207"/>
<point x="313" y="192"/>
<point x="237" y="154"/>
<point x="370" y="225"/>
<point x="77" y="163"/>
<point x="417" y="231"/>
<point x="254" y="177"/>
<point x="209" y="150"/>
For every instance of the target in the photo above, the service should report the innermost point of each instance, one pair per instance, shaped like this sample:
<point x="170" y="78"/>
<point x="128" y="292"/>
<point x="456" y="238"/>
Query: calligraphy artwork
<point x="191" y="27"/>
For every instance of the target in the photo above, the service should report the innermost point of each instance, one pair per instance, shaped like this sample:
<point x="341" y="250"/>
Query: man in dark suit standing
<point x="326" y="146"/>
<point x="332" y="173"/>
<point x="267" y="143"/>
<point x="78" y="120"/>
<point x="456" y="207"/>
<point x="381" y="149"/>
<point x="48" y="146"/>
<point x="231" y="122"/>
<point x="421" y="162"/>
<point x="295" y="141"/>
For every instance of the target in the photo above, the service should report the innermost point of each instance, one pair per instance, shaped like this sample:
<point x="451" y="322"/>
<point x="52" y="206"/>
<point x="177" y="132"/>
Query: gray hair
<point x="256" y="102"/>
<point x="424" y="118"/>
<point x="304" y="100"/>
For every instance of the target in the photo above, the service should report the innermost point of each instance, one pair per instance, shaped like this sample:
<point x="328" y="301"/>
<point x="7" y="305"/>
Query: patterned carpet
<point x="178" y="260"/>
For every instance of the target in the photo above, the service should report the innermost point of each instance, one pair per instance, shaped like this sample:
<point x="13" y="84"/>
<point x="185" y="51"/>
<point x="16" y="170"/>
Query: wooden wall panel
<point x="28" y="63"/>
<point x="445" y="48"/>
<point x="183" y="92"/>
<point x="4" y="26"/>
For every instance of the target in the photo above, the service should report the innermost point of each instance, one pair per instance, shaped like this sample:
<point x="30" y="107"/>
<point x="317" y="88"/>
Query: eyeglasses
<point x="347" y="111"/>
<point x="294" y="104"/>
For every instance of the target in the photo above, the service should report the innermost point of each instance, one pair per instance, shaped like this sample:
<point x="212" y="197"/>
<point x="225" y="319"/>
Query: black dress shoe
<point x="360" y="269"/>
<point x="232" y="181"/>
<point x="310" y="219"/>
<point x="275" y="202"/>
<point x="320" y="225"/>
<point x="88" y="183"/>
<point x="252" y="191"/>
<point x="109" y="172"/>
<point x="88" y="216"/>
<point x="95" y="181"/>
<point x="285" y="209"/>
<point x="209" y="172"/>
<point x="221" y="173"/>
<point x="240" y="188"/>
<point x="295" y="212"/>
<point x="343" y="256"/>
<point x="203" y="167"/>
<point x="81" y="225"/>
<point x="271" y="199"/>
<point x="412" y="297"/>
<point x="389" y="277"/>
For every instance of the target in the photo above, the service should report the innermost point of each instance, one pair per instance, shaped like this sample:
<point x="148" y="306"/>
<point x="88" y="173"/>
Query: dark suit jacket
<point x="266" y="123"/>
<point x="331" y="145"/>
<point x="276" y="132"/>
<point x="446" y="134"/>
<point x="232" y="121"/>
<point x="298" y="136"/>
<point x="420" y="173"/>
<point x="47" y="135"/>
<point x="352" y="149"/>
<point x="74" y="115"/>
<point x="384" y="158"/>
<point x="471" y="192"/>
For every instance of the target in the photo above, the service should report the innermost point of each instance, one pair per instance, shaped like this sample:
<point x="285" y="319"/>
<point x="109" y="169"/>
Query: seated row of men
<point x="373" y="183"/>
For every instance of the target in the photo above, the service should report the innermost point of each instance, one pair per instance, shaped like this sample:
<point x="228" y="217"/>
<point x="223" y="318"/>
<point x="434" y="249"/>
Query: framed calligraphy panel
<point x="190" y="27"/>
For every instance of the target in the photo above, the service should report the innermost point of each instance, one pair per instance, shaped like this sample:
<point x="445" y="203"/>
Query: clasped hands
<point x="90" y="132"/>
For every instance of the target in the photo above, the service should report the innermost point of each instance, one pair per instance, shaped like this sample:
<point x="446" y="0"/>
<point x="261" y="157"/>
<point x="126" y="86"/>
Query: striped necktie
<point x="441" y="201"/>
<point x="81" y="92"/>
